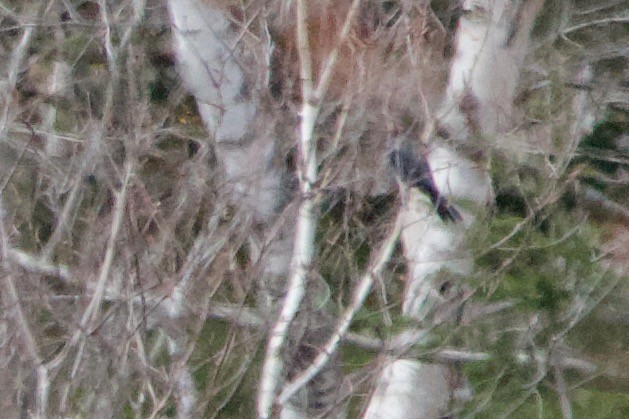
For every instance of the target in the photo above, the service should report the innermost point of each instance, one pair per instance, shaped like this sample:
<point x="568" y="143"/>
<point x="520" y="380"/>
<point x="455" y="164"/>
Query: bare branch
<point x="99" y="291"/>
<point x="303" y="250"/>
<point x="36" y="265"/>
<point x="562" y="390"/>
<point x="599" y="22"/>
<point x="26" y="338"/>
<point x="362" y="290"/>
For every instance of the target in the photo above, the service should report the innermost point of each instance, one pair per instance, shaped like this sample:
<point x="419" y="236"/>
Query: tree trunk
<point x="491" y="42"/>
<point x="224" y="72"/>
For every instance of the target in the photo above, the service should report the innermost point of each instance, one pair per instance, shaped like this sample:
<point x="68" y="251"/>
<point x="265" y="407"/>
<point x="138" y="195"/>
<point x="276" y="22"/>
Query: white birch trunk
<point x="220" y="67"/>
<point x="478" y="100"/>
<point x="211" y="60"/>
<point x="215" y="66"/>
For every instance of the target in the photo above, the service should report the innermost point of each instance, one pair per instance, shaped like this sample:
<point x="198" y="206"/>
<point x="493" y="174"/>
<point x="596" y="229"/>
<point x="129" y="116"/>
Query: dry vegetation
<point x="128" y="279"/>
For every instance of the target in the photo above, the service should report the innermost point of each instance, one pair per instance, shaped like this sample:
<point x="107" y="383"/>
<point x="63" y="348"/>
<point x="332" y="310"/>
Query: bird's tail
<point x="447" y="212"/>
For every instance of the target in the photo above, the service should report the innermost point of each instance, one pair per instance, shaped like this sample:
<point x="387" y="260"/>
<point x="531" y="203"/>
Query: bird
<point x="416" y="173"/>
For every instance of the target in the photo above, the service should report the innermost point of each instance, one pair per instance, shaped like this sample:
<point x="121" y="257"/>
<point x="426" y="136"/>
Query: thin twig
<point x="359" y="298"/>
<point x="595" y="23"/>
<point x="36" y="265"/>
<point x="99" y="290"/>
<point x="330" y="61"/>
<point x="13" y="308"/>
<point x="562" y="390"/>
<point x="303" y="251"/>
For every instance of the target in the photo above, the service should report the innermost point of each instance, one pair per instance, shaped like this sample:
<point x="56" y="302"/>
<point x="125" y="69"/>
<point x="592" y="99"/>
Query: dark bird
<point x="416" y="173"/>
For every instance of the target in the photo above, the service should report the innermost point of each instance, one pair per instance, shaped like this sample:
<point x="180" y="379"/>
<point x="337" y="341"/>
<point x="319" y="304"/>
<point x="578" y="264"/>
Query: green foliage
<point x="542" y="258"/>
<point x="499" y="390"/>
<point x="345" y="232"/>
<point x="513" y="394"/>
<point x="595" y="404"/>
<point x="602" y="158"/>
<point x="595" y="337"/>
<point x="356" y="358"/>
<point x="533" y="254"/>
<point x="218" y="362"/>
